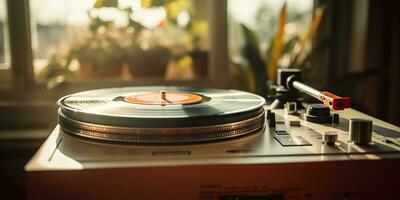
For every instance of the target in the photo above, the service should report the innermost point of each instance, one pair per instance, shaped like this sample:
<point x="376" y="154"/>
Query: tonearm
<point x="290" y="84"/>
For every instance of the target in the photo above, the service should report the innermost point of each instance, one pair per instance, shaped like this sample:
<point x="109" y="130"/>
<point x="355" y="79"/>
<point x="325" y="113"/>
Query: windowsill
<point x="4" y="76"/>
<point x="21" y="142"/>
<point x="27" y="115"/>
<point x="24" y="134"/>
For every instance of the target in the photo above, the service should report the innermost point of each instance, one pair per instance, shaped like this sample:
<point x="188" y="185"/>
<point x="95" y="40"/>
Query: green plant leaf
<point x="106" y="3"/>
<point x="153" y="3"/>
<point x="136" y="25"/>
<point x="288" y="47"/>
<point x="251" y="52"/>
<point x="250" y="37"/>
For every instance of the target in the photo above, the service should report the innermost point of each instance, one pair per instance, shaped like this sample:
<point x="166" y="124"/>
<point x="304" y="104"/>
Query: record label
<point x="164" y="98"/>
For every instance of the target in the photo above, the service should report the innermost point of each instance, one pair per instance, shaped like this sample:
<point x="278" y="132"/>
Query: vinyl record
<point x="161" y="114"/>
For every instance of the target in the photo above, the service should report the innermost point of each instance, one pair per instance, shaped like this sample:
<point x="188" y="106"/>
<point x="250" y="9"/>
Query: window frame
<point x="22" y="85"/>
<point x="5" y="67"/>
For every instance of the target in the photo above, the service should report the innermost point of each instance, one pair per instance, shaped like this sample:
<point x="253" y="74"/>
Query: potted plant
<point x="99" y="56"/>
<point x="98" y="50"/>
<point x="263" y="68"/>
<point x="143" y="55"/>
<point x="150" y="62"/>
<point x="182" y="34"/>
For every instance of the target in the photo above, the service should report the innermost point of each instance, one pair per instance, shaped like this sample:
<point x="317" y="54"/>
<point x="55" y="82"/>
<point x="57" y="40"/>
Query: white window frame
<point x="5" y="75"/>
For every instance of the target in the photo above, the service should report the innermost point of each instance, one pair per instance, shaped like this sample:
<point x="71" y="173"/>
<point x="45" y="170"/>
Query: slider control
<point x="335" y="119"/>
<point x="268" y="113"/>
<point x="271" y="120"/>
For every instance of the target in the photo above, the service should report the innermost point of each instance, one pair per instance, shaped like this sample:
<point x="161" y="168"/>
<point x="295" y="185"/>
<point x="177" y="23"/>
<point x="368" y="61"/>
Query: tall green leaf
<point x="251" y="52"/>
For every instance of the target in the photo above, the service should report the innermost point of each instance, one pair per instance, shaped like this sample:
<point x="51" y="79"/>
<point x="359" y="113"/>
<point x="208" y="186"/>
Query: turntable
<point x="161" y="115"/>
<point x="196" y="143"/>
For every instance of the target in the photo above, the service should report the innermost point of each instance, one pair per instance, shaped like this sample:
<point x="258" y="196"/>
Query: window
<point x="106" y="43"/>
<point x="119" y="40"/>
<point x="74" y="45"/>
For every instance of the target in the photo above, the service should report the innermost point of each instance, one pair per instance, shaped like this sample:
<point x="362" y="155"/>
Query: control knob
<point x="329" y="138"/>
<point x="360" y="131"/>
<point x="318" y="113"/>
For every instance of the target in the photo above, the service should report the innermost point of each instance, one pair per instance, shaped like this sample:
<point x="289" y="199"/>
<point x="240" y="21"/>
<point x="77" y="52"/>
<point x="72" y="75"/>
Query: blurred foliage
<point x="276" y="51"/>
<point x="282" y="47"/>
<point x="106" y="3"/>
<point x="104" y="44"/>
<point x="251" y="52"/>
<point x="172" y="7"/>
<point x="57" y="66"/>
<point x="153" y="3"/>
<point x="101" y="47"/>
<point x="191" y="37"/>
<point x="56" y="71"/>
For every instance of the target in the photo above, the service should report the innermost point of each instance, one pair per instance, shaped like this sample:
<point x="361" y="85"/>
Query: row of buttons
<point x="285" y="139"/>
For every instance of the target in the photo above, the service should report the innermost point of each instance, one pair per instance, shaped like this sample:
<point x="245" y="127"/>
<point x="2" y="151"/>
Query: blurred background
<point x="52" y="48"/>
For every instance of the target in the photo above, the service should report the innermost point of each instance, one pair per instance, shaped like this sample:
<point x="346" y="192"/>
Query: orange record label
<point x="164" y="98"/>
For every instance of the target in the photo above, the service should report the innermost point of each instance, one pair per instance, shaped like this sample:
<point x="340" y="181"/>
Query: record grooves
<point x="161" y="115"/>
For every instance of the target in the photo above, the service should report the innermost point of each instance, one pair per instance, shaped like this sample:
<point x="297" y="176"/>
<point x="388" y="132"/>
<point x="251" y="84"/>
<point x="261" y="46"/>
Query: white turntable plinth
<point x="254" y="166"/>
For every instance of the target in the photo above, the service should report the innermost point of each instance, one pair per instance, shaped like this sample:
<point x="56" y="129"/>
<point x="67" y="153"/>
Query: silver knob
<point x="329" y="138"/>
<point x="360" y="131"/>
<point x="163" y="95"/>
